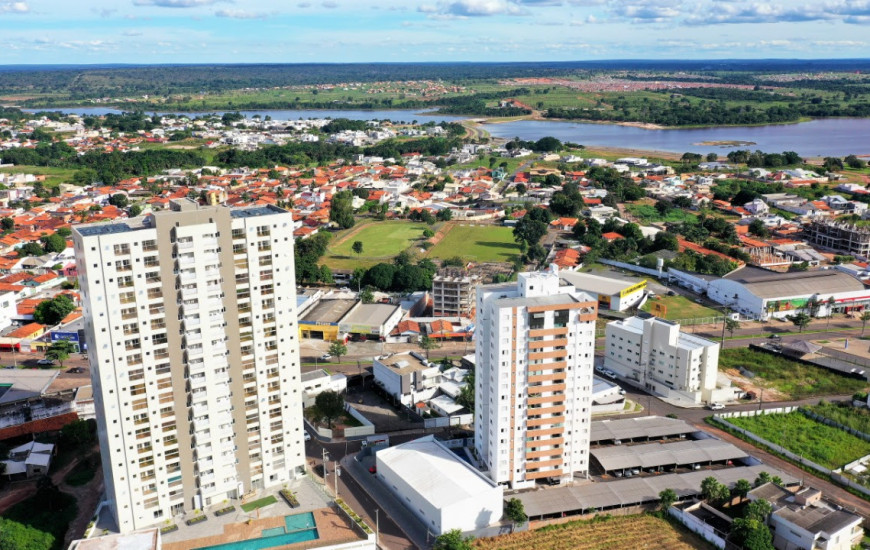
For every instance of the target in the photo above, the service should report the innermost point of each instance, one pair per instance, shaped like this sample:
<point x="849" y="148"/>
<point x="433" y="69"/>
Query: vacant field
<point x="54" y="175"/>
<point x="477" y="243"/>
<point x="853" y="417"/>
<point x="647" y="213"/>
<point x="381" y="241"/>
<point x="824" y="445"/>
<point x="604" y="533"/>
<point x="789" y="378"/>
<point x="680" y="307"/>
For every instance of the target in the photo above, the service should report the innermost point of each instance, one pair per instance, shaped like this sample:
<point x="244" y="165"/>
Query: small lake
<point x="817" y="138"/>
<point x="407" y="115"/>
<point x="822" y="137"/>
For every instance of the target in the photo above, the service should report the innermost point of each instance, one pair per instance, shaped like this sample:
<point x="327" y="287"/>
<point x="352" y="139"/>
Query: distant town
<point x="227" y="331"/>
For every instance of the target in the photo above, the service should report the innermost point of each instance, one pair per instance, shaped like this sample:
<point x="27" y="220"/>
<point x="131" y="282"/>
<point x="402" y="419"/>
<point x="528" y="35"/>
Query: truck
<point x="377" y="439"/>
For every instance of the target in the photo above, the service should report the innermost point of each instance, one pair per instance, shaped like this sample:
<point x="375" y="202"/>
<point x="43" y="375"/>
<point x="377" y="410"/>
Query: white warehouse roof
<point x="435" y="473"/>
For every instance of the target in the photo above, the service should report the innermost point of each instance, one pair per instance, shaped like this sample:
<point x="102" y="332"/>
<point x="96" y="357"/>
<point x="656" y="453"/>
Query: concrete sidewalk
<point x="413" y="528"/>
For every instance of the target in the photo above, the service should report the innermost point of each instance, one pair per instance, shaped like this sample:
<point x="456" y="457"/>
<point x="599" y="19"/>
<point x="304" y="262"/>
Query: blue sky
<point x="298" y="31"/>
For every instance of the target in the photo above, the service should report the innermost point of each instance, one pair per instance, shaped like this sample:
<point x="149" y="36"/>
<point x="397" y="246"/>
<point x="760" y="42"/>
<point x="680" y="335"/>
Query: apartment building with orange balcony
<point x="533" y="384"/>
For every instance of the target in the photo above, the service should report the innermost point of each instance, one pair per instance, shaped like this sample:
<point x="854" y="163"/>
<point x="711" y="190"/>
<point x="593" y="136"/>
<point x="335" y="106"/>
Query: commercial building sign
<point x="632" y="289"/>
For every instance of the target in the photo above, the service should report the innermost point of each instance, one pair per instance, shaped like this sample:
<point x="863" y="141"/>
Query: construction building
<point x="194" y="356"/>
<point x="533" y="385"/>
<point x="839" y="236"/>
<point x="453" y="295"/>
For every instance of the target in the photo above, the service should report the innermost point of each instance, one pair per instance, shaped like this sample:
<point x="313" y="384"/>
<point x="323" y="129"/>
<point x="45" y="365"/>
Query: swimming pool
<point x="299" y="528"/>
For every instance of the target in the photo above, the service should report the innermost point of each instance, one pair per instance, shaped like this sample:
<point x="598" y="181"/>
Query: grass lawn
<point x="603" y="532"/>
<point x="259" y="503"/>
<point x="49" y="511"/>
<point x="824" y="445"/>
<point x="479" y="243"/>
<point x="680" y="307"/>
<point x="853" y="417"/>
<point x="793" y="379"/>
<point x="54" y="175"/>
<point x="647" y="213"/>
<point x="381" y="241"/>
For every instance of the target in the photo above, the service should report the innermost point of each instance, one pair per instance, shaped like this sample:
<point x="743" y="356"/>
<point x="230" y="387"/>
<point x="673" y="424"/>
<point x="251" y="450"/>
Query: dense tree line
<point x="684" y="113"/>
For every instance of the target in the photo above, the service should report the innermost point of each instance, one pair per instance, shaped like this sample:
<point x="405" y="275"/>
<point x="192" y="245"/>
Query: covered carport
<point x="632" y="459"/>
<point x="645" y="428"/>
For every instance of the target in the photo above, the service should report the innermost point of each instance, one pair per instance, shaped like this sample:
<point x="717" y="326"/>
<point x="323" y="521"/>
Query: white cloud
<point x="240" y="14"/>
<point x="473" y="8"/>
<point x="14" y="7"/>
<point x="176" y="3"/>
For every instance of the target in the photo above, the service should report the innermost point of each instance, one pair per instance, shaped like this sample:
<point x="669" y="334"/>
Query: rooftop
<point x="664" y="454"/>
<point x="596" y="283"/>
<point x="434" y="471"/>
<point x="370" y="314"/>
<point x="403" y="363"/>
<point x="771" y="284"/>
<point x="627" y="492"/>
<point x="633" y="428"/>
<point x="26" y="383"/>
<point x="144" y="540"/>
<point x="328" y="311"/>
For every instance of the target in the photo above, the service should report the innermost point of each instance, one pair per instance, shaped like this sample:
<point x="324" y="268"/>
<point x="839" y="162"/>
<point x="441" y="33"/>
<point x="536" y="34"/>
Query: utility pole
<point x="377" y="526"/>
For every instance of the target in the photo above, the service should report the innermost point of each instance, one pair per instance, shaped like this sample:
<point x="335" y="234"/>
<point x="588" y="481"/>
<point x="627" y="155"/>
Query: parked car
<point x="307" y="436"/>
<point x="609" y="373"/>
<point x="75" y="370"/>
<point x="671" y="293"/>
<point x="715" y="406"/>
<point x="325" y="357"/>
<point x="553" y="481"/>
<point x="45" y="362"/>
<point x="373" y="470"/>
<point x="774" y="337"/>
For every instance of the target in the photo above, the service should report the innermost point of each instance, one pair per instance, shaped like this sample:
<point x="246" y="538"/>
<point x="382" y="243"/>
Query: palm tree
<point x="864" y="318"/>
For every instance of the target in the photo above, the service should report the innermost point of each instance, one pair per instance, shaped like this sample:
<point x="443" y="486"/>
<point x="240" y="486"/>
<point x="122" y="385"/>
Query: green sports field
<point x="381" y="241"/>
<point x="478" y="243"/>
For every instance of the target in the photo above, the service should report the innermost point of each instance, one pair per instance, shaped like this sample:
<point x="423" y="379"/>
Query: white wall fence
<point x="367" y="427"/>
<point x="445" y="421"/>
<point x="632" y="267"/>
<point x="835" y="475"/>
<point x="697" y="526"/>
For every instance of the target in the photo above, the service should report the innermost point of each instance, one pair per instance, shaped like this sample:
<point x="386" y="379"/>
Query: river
<point x="816" y="138"/>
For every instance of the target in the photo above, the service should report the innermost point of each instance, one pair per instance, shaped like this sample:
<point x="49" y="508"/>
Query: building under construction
<point x="453" y="294"/>
<point x="840" y="236"/>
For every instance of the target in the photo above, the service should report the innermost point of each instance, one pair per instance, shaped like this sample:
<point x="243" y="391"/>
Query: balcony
<point x="186" y="245"/>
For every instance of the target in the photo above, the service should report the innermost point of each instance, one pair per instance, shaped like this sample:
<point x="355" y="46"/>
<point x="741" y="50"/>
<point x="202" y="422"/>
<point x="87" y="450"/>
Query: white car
<point x="45" y="362"/>
<point x="325" y="357"/>
<point x="307" y="436"/>
<point x="715" y="406"/>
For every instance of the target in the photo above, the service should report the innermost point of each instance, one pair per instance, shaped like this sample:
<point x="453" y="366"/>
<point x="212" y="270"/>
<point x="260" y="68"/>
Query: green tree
<point x="325" y="275"/>
<point x="758" y="509"/>
<point x="7" y="224"/>
<point x="758" y="228"/>
<point x="453" y="540"/>
<point x="135" y="210"/>
<point x="854" y="162"/>
<point x="466" y="393"/>
<point x="367" y="296"/>
<point x="30" y="249"/>
<point x="731" y="325"/>
<point x="762" y="478"/>
<point x="78" y="433"/>
<point x="337" y="349"/>
<point x="119" y="199"/>
<point x="515" y="511"/>
<point x="547" y="144"/>
<point x="52" y="311"/>
<point x="53" y="243"/>
<point x="64" y="232"/>
<point x="60" y="351"/>
<point x="341" y="209"/>
<point x="85" y="176"/>
<point x="751" y="534"/>
<point x="800" y="320"/>
<point x="742" y="488"/>
<point x="428" y="233"/>
<point x="713" y="491"/>
<point x="16" y="536"/>
<point x="444" y="215"/>
<point x="864" y="318"/>
<point x="357" y="247"/>
<point x="380" y="276"/>
<point x="667" y="498"/>
<point x="428" y="343"/>
<point x="330" y="405"/>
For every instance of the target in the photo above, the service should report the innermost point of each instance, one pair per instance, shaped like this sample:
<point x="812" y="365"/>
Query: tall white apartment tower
<point x="533" y="383"/>
<point x="191" y="324"/>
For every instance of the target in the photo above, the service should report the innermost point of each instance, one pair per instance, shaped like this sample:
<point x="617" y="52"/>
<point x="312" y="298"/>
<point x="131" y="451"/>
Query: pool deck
<point x="332" y="527"/>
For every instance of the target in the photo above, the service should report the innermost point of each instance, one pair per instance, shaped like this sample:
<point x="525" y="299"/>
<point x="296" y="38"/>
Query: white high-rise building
<point x="191" y="324"/>
<point x="655" y="355"/>
<point x="533" y="379"/>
